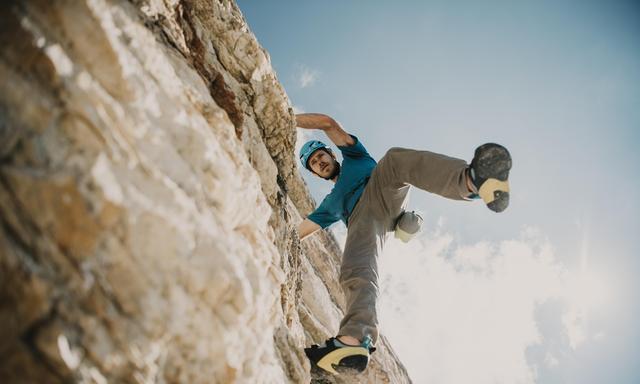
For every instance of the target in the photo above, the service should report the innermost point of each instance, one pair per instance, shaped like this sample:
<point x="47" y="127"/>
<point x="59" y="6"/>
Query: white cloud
<point x="575" y="322"/>
<point x="306" y="76"/>
<point x="466" y="314"/>
<point x="600" y="336"/>
<point x="550" y="360"/>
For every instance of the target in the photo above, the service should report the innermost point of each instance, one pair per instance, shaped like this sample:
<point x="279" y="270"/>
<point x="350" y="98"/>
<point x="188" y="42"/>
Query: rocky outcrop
<point x="148" y="197"/>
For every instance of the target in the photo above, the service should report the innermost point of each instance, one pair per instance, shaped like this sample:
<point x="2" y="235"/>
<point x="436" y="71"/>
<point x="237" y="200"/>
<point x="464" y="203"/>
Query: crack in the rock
<point x="29" y="339"/>
<point x="218" y="88"/>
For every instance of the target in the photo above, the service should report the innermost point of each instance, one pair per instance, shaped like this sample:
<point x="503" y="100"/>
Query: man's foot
<point x="489" y="172"/>
<point x="335" y="357"/>
<point x="408" y="226"/>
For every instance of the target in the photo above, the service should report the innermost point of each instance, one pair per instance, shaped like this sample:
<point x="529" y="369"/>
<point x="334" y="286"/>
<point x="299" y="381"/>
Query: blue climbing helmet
<point x="308" y="148"/>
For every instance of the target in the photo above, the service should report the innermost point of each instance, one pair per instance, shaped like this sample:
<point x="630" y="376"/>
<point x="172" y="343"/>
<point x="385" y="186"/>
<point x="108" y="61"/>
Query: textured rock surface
<point x="148" y="199"/>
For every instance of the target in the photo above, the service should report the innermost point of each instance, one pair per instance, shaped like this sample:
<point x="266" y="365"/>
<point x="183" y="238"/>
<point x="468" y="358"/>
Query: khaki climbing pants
<point x="373" y="219"/>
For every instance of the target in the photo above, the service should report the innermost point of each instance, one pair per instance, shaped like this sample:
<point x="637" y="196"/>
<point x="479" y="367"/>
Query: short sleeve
<point x="357" y="150"/>
<point x="322" y="216"/>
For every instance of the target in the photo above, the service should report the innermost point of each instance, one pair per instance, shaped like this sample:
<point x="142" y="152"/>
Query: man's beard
<point x="336" y="171"/>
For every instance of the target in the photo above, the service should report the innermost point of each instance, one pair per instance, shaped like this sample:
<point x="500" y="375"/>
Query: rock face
<point x="148" y="197"/>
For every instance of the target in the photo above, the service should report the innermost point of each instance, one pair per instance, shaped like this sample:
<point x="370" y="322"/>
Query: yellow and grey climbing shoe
<point x="408" y="226"/>
<point x="489" y="172"/>
<point x="336" y="357"/>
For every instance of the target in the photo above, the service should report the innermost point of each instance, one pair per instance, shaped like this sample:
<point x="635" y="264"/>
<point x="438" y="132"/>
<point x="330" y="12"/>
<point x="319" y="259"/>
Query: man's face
<point x="323" y="164"/>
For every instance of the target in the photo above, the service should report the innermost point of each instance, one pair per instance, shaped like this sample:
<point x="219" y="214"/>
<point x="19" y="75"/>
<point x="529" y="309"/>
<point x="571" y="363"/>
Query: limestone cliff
<point x="148" y="197"/>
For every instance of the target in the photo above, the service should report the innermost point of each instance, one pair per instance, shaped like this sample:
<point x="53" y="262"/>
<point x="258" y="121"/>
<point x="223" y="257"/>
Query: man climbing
<point x="370" y="198"/>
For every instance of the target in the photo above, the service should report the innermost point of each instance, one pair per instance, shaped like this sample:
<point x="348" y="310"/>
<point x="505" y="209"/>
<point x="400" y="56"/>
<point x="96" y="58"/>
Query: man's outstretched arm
<point x="306" y="228"/>
<point x="331" y="127"/>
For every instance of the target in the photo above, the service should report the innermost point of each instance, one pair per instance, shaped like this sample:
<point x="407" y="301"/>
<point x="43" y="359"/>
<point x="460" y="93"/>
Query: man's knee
<point x="357" y="275"/>
<point x="393" y="152"/>
<point x="391" y="157"/>
<point x="390" y="164"/>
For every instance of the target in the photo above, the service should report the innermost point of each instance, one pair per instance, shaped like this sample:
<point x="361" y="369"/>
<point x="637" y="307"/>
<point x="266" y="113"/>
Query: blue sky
<point x="554" y="81"/>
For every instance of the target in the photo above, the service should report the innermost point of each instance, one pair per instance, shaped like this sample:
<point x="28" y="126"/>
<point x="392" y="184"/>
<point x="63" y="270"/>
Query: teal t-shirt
<point x="355" y="171"/>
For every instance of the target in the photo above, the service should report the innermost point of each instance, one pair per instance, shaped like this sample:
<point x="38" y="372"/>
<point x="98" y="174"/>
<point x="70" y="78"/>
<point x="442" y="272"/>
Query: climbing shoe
<point x="408" y="226"/>
<point x="489" y="172"/>
<point x="336" y="357"/>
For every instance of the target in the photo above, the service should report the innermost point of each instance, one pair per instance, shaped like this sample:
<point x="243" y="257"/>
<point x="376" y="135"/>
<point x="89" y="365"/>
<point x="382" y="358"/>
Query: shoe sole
<point x="352" y="364"/>
<point x="493" y="163"/>
<point x="345" y="359"/>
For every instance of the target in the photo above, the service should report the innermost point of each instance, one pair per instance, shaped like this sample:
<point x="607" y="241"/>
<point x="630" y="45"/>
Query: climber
<point x="370" y="198"/>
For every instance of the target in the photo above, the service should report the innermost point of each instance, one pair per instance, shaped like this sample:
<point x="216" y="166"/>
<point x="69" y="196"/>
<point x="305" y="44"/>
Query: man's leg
<point x="450" y="177"/>
<point x="369" y="226"/>
<point x="429" y="171"/>
<point x="359" y="277"/>
<point x="366" y="235"/>
<point x="375" y="216"/>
